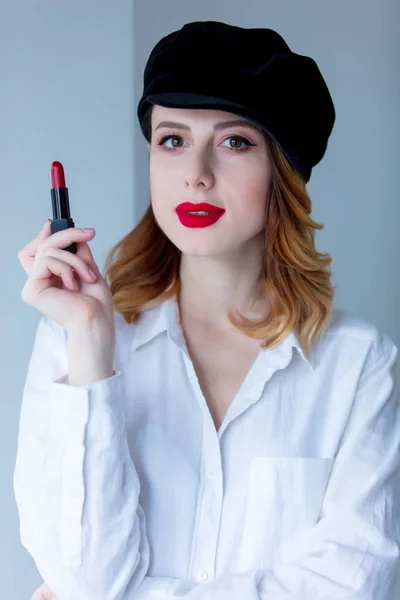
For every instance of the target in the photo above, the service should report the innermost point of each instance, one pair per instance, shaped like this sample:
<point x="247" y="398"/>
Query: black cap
<point x="248" y="71"/>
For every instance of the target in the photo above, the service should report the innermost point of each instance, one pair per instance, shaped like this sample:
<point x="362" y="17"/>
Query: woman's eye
<point x="237" y="146"/>
<point x="166" y="138"/>
<point x="239" y="141"/>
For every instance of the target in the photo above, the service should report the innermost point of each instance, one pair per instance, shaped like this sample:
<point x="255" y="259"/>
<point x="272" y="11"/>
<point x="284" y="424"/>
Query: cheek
<point x="162" y="201"/>
<point x="251" y="193"/>
<point x="158" y="190"/>
<point x="259" y="201"/>
<point x="163" y="181"/>
<point x="250" y="176"/>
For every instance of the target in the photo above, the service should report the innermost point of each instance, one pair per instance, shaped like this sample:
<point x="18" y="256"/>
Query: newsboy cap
<point x="248" y="71"/>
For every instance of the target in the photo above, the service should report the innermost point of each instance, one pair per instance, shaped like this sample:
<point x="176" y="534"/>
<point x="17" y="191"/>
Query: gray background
<point x="71" y="77"/>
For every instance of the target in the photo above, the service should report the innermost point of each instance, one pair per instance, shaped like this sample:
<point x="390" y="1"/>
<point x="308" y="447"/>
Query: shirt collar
<point x="165" y="317"/>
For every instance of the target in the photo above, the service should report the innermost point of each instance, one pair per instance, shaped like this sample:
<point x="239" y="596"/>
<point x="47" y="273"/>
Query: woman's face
<point x="200" y="163"/>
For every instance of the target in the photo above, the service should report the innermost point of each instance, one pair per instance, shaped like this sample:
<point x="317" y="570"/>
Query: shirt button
<point x="202" y="575"/>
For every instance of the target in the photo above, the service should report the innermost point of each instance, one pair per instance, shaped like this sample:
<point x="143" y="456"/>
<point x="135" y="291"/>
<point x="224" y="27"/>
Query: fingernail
<point x="87" y="229"/>
<point x="92" y="274"/>
<point x="44" y="226"/>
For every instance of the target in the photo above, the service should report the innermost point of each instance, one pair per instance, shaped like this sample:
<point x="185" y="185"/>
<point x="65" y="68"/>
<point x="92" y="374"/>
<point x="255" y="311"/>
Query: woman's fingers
<point x="63" y="238"/>
<point x="48" y="264"/>
<point x="27" y="254"/>
<point x="60" y="239"/>
<point x="64" y="263"/>
<point x="43" y="592"/>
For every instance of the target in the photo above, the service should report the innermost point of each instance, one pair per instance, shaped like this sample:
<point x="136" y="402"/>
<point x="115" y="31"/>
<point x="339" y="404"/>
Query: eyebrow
<point x="217" y="126"/>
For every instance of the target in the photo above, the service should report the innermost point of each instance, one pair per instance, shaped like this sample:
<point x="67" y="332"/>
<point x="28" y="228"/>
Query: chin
<point x="199" y="249"/>
<point x="205" y="241"/>
<point x="196" y="242"/>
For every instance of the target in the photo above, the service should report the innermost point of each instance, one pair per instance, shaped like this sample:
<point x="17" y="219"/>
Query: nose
<point x="199" y="172"/>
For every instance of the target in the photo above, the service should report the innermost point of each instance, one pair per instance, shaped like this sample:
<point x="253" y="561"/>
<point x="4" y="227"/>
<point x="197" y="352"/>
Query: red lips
<point x="190" y="207"/>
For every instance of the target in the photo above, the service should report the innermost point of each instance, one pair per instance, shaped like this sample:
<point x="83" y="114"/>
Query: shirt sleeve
<point x="77" y="493"/>
<point x="352" y="553"/>
<point x="75" y="485"/>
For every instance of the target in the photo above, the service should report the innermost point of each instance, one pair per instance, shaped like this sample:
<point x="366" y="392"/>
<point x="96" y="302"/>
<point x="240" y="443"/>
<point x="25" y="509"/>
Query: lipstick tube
<point x="60" y="203"/>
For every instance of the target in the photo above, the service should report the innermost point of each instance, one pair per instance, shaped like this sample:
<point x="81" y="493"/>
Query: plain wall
<point x="67" y="94"/>
<point x="71" y="80"/>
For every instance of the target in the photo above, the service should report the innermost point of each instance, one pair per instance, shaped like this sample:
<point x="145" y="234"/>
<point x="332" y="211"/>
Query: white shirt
<point x="126" y="491"/>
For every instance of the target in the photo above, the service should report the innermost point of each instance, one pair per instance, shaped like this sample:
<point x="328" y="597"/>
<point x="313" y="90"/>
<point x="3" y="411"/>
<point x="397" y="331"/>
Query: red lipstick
<point x="60" y="203"/>
<point x="57" y="175"/>
<point x="201" y="220"/>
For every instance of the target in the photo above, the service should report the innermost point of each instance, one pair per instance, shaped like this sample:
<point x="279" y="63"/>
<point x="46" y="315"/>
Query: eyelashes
<point x="161" y="140"/>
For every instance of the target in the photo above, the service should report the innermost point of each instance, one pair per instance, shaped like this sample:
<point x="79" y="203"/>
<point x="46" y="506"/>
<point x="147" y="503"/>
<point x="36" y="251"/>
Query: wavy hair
<point x="142" y="269"/>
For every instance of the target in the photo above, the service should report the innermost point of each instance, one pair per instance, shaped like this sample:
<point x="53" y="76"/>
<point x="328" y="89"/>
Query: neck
<point x="210" y="285"/>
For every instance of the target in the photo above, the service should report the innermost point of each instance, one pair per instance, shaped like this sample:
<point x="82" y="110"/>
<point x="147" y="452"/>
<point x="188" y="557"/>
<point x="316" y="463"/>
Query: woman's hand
<point x="59" y="283"/>
<point x="43" y="592"/>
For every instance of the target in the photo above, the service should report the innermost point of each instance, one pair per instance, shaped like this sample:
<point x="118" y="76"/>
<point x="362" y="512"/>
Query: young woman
<point x="204" y="425"/>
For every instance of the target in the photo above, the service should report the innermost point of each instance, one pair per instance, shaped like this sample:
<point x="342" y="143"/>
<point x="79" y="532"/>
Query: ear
<point x="148" y="147"/>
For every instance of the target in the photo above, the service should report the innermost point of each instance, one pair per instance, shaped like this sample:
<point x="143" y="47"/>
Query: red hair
<point x="142" y="269"/>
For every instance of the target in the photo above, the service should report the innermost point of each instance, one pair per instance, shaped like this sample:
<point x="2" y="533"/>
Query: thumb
<point x="84" y="251"/>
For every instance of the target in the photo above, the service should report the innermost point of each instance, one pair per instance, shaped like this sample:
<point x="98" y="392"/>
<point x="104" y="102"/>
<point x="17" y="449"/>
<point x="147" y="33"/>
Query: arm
<point x="75" y="485"/>
<point x="351" y="553"/>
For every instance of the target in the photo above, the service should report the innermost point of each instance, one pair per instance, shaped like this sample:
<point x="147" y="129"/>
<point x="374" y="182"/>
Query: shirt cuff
<point x="89" y="411"/>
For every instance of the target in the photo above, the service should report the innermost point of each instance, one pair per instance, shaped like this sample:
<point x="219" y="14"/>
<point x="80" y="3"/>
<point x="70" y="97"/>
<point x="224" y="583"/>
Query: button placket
<point x="204" y="558"/>
<point x="201" y="575"/>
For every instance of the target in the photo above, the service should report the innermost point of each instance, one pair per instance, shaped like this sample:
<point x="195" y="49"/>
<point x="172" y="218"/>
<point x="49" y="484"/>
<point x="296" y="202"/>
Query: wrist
<point x="90" y="354"/>
<point x="86" y="376"/>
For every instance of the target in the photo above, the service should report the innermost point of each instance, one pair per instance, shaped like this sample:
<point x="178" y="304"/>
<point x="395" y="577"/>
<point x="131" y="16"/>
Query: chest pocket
<point x="283" y="502"/>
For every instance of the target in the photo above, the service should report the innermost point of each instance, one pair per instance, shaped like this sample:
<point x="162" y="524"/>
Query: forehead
<point x="195" y="116"/>
<point x="190" y="113"/>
